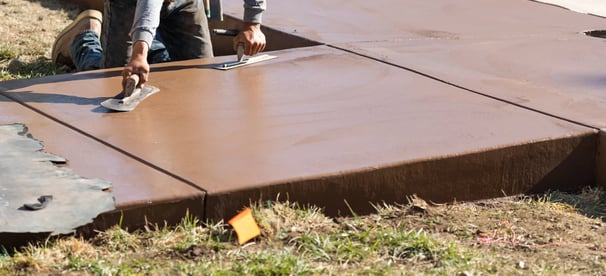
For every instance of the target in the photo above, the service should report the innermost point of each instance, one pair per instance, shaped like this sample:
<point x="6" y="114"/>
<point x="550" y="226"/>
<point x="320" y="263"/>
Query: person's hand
<point x="137" y="64"/>
<point x="252" y="37"/>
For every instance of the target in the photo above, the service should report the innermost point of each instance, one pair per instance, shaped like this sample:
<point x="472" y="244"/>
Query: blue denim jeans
<point x="86" y="51"/>
<point x="182" y="34"/>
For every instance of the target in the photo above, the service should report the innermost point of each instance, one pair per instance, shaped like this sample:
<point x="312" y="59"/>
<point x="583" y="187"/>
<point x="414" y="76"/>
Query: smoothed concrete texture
<point x="321" y="126"/>
<point x="523" y="52"/>
<point x="138" y="188"/>
<point x="447" y="100"/>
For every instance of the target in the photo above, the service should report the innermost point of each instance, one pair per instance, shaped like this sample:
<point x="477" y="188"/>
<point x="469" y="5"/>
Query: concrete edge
<point x="565" y="164"/>
<point x="151" y="214"/>
<point x="156" y="214"/>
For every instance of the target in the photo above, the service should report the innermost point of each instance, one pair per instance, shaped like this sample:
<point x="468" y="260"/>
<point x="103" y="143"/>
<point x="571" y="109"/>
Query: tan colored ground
<point x="29" y="27"/>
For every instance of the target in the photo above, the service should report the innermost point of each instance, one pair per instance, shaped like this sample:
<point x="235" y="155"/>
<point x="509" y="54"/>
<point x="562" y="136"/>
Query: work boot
<point x="86" y="20"/>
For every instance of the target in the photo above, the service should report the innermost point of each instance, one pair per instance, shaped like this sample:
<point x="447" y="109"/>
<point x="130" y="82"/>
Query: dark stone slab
<point x="37" y="196"/>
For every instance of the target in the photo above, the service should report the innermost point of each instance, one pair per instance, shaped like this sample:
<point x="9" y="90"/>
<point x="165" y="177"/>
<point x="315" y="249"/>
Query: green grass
<point x="308" y="243"/>
<point x="32" y="67"/>
<point x="7" y="53"/>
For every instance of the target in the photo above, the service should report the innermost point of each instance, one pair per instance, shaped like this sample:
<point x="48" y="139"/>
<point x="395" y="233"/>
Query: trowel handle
<point x="240" y="52"/>
<point x="131" y="84"/>
<point x="226" y="32"/>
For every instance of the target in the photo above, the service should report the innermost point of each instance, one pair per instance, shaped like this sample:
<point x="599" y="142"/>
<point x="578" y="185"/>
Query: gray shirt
<point x="147" y="17"/>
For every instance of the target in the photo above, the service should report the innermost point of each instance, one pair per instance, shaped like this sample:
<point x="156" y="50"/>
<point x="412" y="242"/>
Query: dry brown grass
<point x="519" y="236"/>
<point x="29" y="27"/>
<point x="27" y="34"/>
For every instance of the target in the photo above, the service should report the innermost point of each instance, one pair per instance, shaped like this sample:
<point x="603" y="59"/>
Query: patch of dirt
<point x="195" y="252"/>
<point x="538" y="235"/>
<point x="30" y="27"/>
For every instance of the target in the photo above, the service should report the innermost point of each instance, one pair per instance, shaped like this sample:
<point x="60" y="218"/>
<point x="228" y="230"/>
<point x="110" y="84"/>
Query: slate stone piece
<point x="37" y="195"/>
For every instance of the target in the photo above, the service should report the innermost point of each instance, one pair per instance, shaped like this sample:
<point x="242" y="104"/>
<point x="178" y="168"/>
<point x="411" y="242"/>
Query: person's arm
<point x="251" y="34"/>
<point x="145" y="23"/>
<point x="137" y="64"/>
<point x="253" y="10"/>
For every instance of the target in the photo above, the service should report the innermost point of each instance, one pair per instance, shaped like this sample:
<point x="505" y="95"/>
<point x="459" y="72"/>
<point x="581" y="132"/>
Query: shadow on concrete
<point x="581" y="159"/>
<point x="597" y="80"/>
<point x="171" y="68"/>
<point x="22" y="83"/>
<point x="26" y="97"/>
<point x="34" y="97"/>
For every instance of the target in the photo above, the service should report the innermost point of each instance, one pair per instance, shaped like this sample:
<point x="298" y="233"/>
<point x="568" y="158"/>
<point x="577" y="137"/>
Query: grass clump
<point x="16" y="69"/>
<point x="7" y="53"/>
<point x="591" y="201"/>
<point x="499" y="237"/>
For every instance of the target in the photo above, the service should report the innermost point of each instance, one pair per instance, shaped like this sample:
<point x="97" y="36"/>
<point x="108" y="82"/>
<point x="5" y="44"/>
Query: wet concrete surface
<point x="342" y="21"/>
<point x="522" y="52"/>
<point x="138" y="188"/>
<point x="322" y="126"/>
<point x="445" y="100"/>
<point x="557" y="76"/>
<point x="525" y="53"/>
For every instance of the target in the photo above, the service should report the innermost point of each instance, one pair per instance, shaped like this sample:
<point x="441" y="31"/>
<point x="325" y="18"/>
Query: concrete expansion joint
<point x="99" y="140"/>
<point x="462" y="87"/>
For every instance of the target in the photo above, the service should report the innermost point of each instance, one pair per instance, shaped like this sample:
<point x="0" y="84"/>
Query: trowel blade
<point x="236" y="64"/>
<point x="130" y="103"/>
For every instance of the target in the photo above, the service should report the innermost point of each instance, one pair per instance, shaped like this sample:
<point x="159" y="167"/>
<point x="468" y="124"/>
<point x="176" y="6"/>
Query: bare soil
<point x="29" y="27"/>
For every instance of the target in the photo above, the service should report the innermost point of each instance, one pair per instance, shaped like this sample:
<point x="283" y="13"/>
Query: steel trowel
<point x="240" y="60"/>
<point x="131" y="96"/>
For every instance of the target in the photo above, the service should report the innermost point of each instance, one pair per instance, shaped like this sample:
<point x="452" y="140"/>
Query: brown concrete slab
<point x="321" y="126"/>
<point x="557" y="70"/>
<point x="140" y="191"/>
<point x="523" y="52"/>
<point x="560" y="76"/>
<point x="526" y="53"/>
<point x="342" y="21"/>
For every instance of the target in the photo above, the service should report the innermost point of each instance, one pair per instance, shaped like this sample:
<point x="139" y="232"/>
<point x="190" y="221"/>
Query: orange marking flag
<point x="245" y="226"/>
